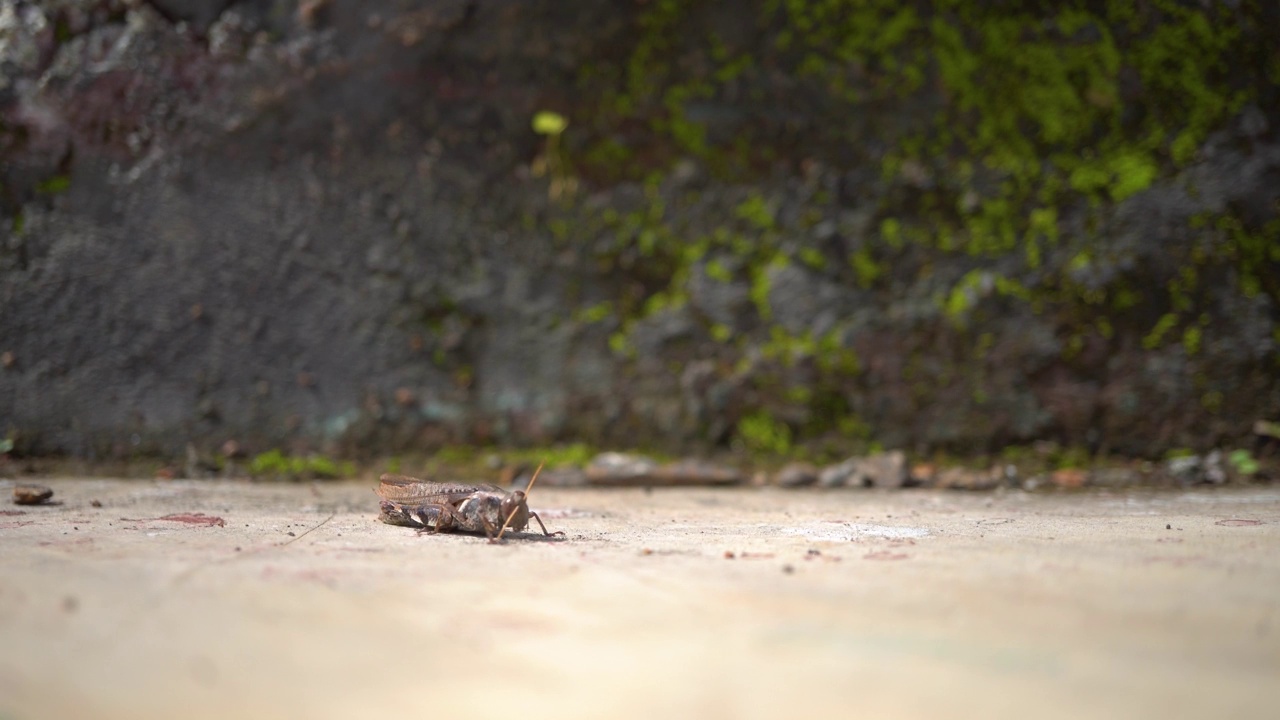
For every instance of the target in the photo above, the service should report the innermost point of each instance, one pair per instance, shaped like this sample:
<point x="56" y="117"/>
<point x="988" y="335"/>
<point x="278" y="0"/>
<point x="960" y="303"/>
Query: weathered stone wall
<point x="932" y="225"/>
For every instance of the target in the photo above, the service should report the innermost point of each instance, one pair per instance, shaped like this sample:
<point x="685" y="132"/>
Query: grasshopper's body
<point x="453" y="507"/>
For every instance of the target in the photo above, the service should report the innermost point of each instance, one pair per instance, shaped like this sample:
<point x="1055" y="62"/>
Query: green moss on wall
<point x="992" y="126"/>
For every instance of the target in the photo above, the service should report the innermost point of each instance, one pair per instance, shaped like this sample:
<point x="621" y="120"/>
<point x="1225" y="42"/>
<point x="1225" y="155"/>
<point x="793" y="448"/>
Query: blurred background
<point x="366" y="228"/>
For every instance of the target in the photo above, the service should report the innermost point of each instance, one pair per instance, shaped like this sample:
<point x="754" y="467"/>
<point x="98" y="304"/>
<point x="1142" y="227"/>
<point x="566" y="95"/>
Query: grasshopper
<point x="442" y="507"/>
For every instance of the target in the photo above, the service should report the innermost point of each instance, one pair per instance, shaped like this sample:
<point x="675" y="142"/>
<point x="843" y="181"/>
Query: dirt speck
<point x="885" y="555"/>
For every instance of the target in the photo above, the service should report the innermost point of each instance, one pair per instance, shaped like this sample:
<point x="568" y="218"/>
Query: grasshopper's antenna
<point x="527" y="488"/>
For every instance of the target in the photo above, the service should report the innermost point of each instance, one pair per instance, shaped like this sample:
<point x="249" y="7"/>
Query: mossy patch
<point x="276" y="464"/>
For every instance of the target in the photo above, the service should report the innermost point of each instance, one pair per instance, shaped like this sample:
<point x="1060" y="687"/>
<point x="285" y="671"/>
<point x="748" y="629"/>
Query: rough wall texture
<point x="330" y="224"/>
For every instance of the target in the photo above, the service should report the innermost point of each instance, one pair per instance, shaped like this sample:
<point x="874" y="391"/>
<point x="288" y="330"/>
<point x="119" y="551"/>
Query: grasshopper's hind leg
<point x="397" y="514"/>
<point x="435" y="517"/>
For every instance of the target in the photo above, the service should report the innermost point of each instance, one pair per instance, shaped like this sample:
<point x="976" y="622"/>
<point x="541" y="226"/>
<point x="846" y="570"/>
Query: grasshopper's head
<point x="516" y="507"/>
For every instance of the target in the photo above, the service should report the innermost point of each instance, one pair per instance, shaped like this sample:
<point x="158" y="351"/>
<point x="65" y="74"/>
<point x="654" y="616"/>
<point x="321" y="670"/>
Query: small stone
<point x="95" y="503"/>
<point x="838" y="475"/>
<point x="562" y="477"/>
<point x="1168" y="526"/>
<point x="695" y="472"/>
<point x="1070" y="478"/>
<point x="620" y="469"/>
<point x="966" y="479"/>
<point x="728" y="555"/>
<point x="1214" y="470"/>
<point x="1114" y="477"/>
<point x="797" y="474"/>
<point x="788" y="569"/>
<point x="883" y="470"/>
<point x="8" y="359"/>
<point x="923" y="473"/>
<point x="887" y="470"/>
<point x="31" y="494"/>
<point x="1188" y="470"/>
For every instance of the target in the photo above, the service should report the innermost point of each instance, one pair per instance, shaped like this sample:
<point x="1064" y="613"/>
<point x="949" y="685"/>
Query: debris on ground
<point x="31" y="494"/>
<point x="186" y="518"/>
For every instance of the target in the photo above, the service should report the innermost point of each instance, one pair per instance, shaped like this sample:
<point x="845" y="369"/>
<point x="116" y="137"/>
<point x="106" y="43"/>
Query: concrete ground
<point x="743" y="603"/>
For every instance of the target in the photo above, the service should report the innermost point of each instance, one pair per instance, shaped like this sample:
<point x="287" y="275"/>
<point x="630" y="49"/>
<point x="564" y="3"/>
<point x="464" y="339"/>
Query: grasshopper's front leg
<point x="534" y="515"/>
<point x="490" y="530"/>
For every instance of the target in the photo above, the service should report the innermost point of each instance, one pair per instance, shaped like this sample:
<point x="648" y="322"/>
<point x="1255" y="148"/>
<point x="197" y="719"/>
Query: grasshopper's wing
<point x="413" y="491"/>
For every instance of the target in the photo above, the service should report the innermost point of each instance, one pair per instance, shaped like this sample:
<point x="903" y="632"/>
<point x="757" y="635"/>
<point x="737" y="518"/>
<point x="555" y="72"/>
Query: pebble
<point x="1214" y="471"/>
<point x="31" y="494"/>
<point x="796" y="474"/>
<point x="621" y="469"/>
<point x="966" y="479"/>
<point x="882" y="470"/>
<point x="614" y="468"/>
<point x="1114" y="477"/>
<point x="696" y="472"/>
<point x="562" y="477"/>
<point x="1188" y="470"/>
<point x="1069" y="478"/>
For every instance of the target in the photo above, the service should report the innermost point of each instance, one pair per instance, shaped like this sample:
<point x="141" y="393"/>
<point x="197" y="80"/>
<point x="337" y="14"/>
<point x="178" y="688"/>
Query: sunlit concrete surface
<point x="745" y="603"/>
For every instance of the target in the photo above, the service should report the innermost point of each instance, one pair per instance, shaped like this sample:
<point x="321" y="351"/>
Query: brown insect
<point x="456" y="507"/>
